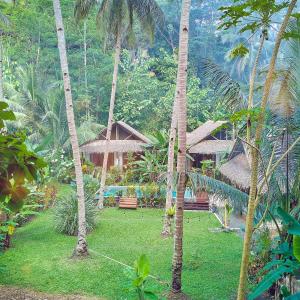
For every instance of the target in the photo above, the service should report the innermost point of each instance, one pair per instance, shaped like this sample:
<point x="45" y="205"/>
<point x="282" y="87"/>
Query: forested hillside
<point x="32" y="73"/>
<point x="119" y="116"/>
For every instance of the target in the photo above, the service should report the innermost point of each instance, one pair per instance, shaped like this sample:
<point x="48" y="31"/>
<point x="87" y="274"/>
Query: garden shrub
<point x="110" y="201"/>
<point x="62" y="166"/>
<point x="131" y="192"/>
<point x="66" y="213"/>
<point x="91" y="186"/>
<point x="152" y="195"/>
<point x="49" y="192"/>
<point x="261" y="249"/>
<point x="88" y="167"/>
<point x="114" y="176"/>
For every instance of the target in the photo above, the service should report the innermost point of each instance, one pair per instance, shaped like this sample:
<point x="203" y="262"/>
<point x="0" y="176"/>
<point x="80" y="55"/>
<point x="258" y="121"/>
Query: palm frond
<point x="82" y="8"/>
<point x="237" y="198"/>
<point x="284" y="120"/>
<point x="149" y="15"/>
<point x="115" y="16"/>
<point x="283" y="104"/>
<point x="88" y="130"/>
<point x="228" y="90"/>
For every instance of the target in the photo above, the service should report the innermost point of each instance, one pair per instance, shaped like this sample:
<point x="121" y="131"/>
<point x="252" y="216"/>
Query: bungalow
<point x="124" y="140"/>
<point x="210" y="141"/>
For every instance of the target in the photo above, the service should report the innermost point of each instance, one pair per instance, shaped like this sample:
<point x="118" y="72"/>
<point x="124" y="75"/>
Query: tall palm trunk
<point x="85" y="68"/>
<point x="1" y="70"/>
<point x="181" y="157"/>
<point x="252" y="84"/>
<point x="255" y="157"/>
<point x="110" y="118"/>
<point x="170" y="171"/>
<point x="81" y="247"/>
<point x="85" y="56"/>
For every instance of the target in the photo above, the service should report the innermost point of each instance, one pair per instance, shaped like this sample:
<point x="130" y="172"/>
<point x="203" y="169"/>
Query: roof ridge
<point x="203" y="131"/>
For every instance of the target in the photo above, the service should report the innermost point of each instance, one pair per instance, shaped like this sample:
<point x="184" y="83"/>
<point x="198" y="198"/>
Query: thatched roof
<point x="203" y="131"/>
<point x="131" y="130"/>
<point x="237" y="170"/>
<point x="117" y="146"/>
<point x="134" y="142"/>
<point x="212" y="146"/>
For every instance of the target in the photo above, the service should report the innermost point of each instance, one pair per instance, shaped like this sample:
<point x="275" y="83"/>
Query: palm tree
<point x="252" y="83"/>
<point x="252" y="203"/>
<point x="170" y="171"/>
<point x="5" y="22"/>
<point x="181" y="158"/>
<point x="235" y="14"/>
<point x="81" y="247"/>
<point x="113" y="16"/>
<point x="1" y="69"/>
<point x="38" y="106"/>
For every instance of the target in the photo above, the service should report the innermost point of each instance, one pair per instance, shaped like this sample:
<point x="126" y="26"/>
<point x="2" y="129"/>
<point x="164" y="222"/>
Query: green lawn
<point x="40" y="259"/>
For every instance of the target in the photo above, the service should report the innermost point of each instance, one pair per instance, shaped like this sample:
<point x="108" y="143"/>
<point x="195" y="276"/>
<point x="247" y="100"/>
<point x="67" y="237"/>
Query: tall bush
<point x="66" y="214"/>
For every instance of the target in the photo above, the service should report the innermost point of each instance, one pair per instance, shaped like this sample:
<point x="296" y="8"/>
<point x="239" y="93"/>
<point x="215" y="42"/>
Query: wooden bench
<point x="128" y="203"/>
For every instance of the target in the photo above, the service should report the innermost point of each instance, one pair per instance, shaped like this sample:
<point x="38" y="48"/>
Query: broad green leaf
<point x="143" y="266"/>
<point x="3" y="105"/>
<point x="7" y="115"/>
<point x="272" y="264"/>
<point x="292" y="224"/>
<point x="296" y="246"/>
<point x="268" y="281"/>
<point x="238" y="51"/>
<point x="150" y="295"/>
<point x="138" y="282"/>
<point x="284" y="291"/>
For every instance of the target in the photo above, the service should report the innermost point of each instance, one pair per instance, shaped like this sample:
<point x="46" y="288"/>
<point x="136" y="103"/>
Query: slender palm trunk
<point x="181" y="156"/>
<point x="110" y="119"/>
<point x="252" y="83"/>
<point x="85" y="67"/>
<point x="255" y="157"/>
<point x="1" y="70"/>
<point x="85" y="56"/>
<point x="170" y="171"/>
<point x="81" y="247"/>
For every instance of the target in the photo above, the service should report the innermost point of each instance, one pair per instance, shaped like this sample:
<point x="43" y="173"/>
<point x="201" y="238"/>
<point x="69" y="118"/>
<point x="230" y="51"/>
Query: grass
<point x="40" y="259"/>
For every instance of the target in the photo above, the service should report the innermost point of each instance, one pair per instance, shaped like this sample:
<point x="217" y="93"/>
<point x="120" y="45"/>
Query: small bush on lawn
<point x="66" y="214"/>
<point x="91" y="186"/>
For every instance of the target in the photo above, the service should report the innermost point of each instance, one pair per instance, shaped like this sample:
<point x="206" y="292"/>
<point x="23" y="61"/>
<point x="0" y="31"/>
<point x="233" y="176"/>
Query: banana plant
<point x="286" y="258"/>
<point x="139" y="276"/>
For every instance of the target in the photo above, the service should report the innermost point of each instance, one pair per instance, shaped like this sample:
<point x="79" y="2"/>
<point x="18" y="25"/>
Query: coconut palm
<point x="116" y="20"/>
<point x="284" y="127"/>
<point x="277" y="139"/>
<point x="259" y="19"/>
<point x="252" y="202"/>
<point x="170" y="172"/>
<point x="4" y="22"/>
<point x="81" y="247"/>
<point x="181" y="158"/>
<point x="39" y="108"/>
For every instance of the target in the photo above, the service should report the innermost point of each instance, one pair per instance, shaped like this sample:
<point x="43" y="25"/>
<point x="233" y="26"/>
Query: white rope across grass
<point x="127" y="266"/>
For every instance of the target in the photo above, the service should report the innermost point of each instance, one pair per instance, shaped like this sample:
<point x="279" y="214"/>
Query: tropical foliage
<point x="151" y="64"/>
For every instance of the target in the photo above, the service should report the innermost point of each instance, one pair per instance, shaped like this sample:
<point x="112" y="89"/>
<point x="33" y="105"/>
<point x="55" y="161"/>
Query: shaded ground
<point x="14" y="293"/>
<point x="40" y="257"/>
